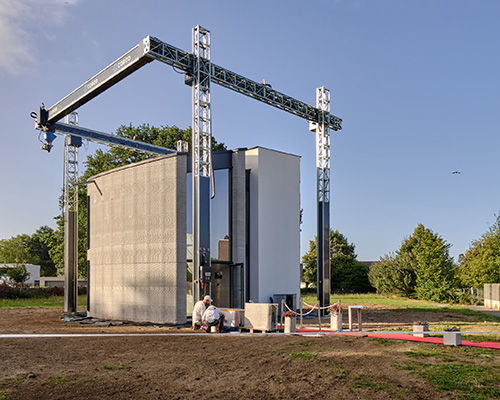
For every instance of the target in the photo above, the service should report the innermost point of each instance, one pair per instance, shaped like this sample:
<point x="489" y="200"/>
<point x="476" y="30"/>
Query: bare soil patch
<point x="208" y="366"/>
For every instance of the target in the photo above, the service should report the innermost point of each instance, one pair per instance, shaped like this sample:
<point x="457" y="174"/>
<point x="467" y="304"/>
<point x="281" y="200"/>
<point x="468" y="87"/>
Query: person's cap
<point x="207" y="297"/>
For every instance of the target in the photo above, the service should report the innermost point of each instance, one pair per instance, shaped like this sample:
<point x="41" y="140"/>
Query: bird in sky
<point x="456" y="172"/>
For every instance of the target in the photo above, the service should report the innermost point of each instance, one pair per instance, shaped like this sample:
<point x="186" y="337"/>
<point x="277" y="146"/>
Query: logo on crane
<point x="90" y="85"/>
<point x="121" y="63"/>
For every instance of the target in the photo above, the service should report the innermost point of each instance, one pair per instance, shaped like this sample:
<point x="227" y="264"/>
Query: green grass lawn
<point x="472" y="320"/>
<point x="51" y="302"/>
<point x="392" y="301"/>
<point x="310" y="297"/>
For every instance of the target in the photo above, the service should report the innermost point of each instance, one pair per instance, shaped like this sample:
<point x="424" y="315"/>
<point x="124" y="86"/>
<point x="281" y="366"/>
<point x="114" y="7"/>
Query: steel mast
<point x="71" y="145"/>
<point x="202" y="162"/>
<point x="323" y="195"/>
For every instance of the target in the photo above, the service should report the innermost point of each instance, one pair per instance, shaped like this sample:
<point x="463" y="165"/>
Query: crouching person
<point x="213" y="317"/>
<point x="199" y="308"/>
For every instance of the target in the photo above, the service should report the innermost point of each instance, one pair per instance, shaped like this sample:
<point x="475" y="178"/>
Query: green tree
<point x="434" y="267"/>
<point x="18" y="274"/>
<point x="346" y="273"/>
<point x="394" y="274"/>
<point x="15" y="250"/>
<point x="101" y="161"/>
<point x="481" y="262"/>
<point x="39" y="251"/>
<point x="422" y="267"/>
<point x="34" y="249"/>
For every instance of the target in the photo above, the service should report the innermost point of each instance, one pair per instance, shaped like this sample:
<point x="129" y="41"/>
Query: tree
<point x="15" y="250"/>
<point x="347" y="274"/>
<point x="18" y="274"/>
<point x="39" y="250"/>
<point x="434" y="267"/>
<point x="394" y="274"/>
<point x="422" y="267"/>
<point x="481" y="262"/>
<point x="101" y="161"/>
<point x="34" y="249"/>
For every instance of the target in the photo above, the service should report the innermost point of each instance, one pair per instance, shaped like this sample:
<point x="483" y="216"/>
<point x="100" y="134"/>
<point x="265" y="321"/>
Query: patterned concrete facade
<point x="137" y="242"/>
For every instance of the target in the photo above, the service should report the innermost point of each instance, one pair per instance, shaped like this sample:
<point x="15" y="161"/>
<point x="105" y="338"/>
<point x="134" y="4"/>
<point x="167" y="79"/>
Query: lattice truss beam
<point x="70" y="168"/>
<point x="323" y="145"/>
<point x="202" y="123"/>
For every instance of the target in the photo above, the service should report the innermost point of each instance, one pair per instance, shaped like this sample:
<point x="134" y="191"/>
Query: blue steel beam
<point x="108" y="139"/>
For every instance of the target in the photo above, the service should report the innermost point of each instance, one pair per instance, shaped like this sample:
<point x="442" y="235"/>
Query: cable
<point x="179" y="72"/>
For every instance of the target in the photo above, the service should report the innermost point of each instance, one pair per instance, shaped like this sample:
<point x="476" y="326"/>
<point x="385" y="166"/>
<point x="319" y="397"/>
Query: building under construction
<point x="140" y="235"/>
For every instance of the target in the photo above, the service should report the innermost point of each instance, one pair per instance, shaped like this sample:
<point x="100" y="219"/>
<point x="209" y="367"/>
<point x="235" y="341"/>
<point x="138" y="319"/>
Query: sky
<point x="416" y="83"/>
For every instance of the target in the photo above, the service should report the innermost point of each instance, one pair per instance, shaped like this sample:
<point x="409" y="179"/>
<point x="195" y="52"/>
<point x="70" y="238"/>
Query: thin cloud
<point x="22" y="22"/>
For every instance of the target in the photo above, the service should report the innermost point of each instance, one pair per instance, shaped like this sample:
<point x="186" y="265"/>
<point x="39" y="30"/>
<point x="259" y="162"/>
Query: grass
<point x="303" y="355"/>
<point x="364" y="381"/>
<point x="466" y="380"/>
<point x="339" y="373"/>
<point x="404" y="304"/>
<point x="310" y="297"/>
<point x="51" y="302"/>
<point x="459" y="370"/>
<point x="57" y="379"/>
<point x="116" y="367"/>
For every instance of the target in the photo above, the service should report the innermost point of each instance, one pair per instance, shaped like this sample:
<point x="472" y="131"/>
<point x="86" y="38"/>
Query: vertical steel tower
<point x="71" y="145"/>
<point x="202" y="162"/>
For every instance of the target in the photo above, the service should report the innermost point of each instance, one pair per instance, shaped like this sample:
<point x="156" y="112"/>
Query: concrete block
<point x="487" y="295"/>
<point x="261" y="316"/>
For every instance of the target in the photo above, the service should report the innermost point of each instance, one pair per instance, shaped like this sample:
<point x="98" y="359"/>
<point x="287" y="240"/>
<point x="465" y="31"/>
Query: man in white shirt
<point x="198" y="310"/>
<point x="213" y="317"/>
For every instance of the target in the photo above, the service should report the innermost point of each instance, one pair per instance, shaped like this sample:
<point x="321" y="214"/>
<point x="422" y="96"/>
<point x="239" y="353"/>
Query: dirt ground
<point x="214" y="366"/>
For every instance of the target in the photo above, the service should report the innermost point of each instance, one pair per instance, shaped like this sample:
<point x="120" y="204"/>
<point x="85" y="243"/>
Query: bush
<point x="15" y="292"/>
<point x="25" y="292"/>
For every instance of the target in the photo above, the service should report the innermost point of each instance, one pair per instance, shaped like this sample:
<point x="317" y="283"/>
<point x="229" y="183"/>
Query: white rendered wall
<point x="137" y="236"/>
<point x="33" y="270"/>
<point x="274" y="223"/>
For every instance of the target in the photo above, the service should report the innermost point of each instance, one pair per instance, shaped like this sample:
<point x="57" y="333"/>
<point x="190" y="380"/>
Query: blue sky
<point x="416" y="82"/>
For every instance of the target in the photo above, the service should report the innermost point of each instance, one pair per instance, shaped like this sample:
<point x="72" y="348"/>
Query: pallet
<point x="255" y="330"/>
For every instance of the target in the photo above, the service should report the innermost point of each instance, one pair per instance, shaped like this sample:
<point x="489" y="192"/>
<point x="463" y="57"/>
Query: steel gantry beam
<point x="109" y="139"/>
<point x="200" y="72"/>
<point x="151" y="48"/>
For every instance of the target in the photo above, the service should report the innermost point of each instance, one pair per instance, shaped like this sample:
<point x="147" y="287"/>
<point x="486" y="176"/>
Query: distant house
<point x="369" y="263"/>
<point x="50" y="281"/>
<point x="33" y="270"/>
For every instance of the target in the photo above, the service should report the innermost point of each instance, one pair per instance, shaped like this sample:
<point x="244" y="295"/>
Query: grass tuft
<point x="303" y="355"/>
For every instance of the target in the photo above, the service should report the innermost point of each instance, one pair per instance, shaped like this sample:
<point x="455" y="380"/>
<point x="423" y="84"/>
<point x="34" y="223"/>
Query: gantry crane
<point x="199" y="72"/>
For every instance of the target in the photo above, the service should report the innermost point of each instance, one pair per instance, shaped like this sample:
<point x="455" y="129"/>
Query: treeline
<point x="24" y="292"/>
<point x="421" y="268"/>
<point x="30" y="249"/>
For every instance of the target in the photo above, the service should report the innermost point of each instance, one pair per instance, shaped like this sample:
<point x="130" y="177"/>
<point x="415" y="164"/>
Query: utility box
<point x="290" y="301"/>
<point x="261" y="316"/>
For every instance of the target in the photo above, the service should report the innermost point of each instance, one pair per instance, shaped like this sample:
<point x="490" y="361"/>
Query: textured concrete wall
<point x="138" y="242"/>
